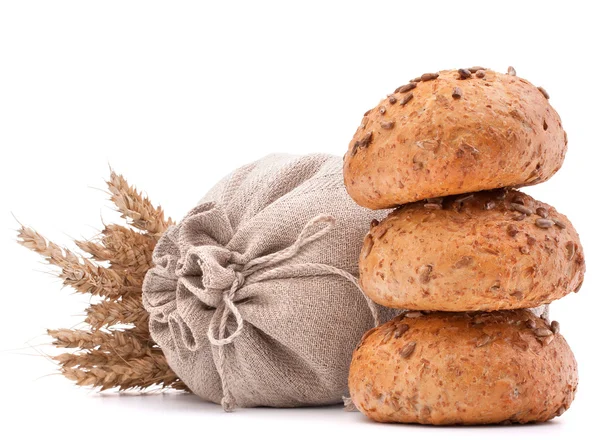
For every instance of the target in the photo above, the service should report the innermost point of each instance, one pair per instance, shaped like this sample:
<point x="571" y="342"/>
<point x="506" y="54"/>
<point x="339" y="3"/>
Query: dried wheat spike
<point x="108" y="313"/>
<point x="116" y="349"/>
<point x="108" y="373"/>
<point x="77" y="272"/>
<point x="135" y="208"/>
<point x="124" y="248"/>
<point x="117" y="342"/>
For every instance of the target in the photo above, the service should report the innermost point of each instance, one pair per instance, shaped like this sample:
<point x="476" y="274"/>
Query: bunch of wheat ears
<point x="114" y="349"/>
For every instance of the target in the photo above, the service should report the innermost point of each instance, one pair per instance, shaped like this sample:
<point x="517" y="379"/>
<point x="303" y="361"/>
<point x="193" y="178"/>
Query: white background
<point x="176" y="94"/>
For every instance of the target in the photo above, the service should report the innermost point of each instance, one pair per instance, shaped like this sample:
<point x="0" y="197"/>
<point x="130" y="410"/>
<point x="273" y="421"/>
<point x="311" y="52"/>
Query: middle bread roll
<point x="487" y="251"/>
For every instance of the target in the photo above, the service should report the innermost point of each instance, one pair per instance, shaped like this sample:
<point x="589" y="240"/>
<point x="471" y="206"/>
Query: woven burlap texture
<point x="253" y="298"/>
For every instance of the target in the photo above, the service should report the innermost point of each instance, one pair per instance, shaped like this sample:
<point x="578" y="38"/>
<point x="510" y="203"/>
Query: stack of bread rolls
<point x="464" y="252"/>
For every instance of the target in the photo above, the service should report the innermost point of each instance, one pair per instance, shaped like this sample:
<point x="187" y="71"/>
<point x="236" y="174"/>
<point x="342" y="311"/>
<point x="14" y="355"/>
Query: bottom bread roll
<point x="463" y="368"/>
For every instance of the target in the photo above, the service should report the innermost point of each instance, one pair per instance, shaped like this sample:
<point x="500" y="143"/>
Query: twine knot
<point x="229" y="306"/>
<point x="212" y="273"/>
<point x="251" y="272"/>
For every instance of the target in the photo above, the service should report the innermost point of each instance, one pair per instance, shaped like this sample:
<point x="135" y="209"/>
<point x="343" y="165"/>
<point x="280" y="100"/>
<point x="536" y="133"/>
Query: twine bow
<point x="264" y="268"/>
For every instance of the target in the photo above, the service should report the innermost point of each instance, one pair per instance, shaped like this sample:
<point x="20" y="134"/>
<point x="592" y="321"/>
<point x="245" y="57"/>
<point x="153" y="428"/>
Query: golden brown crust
<point x="453" y="136"/>
<point x="476" y="252"/>
<point x="461" y="368"/>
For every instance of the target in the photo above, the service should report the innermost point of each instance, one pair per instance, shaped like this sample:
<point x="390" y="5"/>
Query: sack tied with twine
<point x="253" y="297"/>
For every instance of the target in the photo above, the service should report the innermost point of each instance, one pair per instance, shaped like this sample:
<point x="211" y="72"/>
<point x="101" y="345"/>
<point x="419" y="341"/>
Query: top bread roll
<point x="454" y="132"/>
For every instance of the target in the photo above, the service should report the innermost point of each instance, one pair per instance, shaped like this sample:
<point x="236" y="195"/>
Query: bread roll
<point x="463" y="368"/>
<point x="484" y="251"/>
<point x="446" y="134"/>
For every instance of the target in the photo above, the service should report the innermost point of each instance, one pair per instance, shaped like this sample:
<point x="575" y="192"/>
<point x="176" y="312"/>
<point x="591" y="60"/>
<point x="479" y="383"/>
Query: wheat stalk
<point x="135" y="208"/>
<point x="116" y="349"/>
<point x="108" y="373"/>
<point x="108" y="313"/>
<point x="119" y="342"/>
<point x="76" y="271"/>
<point x="124" y="248"/>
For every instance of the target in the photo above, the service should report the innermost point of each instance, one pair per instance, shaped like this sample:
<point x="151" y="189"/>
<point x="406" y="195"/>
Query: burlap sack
<point x="253" y="298"/>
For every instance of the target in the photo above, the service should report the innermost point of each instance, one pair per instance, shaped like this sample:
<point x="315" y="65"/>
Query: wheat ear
<point x="77" y="272"/>
<point x="115" y="350"/>
<point x="135" y="208"/>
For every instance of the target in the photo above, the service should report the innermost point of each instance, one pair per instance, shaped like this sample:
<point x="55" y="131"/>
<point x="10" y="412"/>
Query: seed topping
<point x="429" y="76"/>
<point x="406" y="99"/>
<point x="464" y="73"/>
<point x="413" y="314"/>
<point x="405" y="88"/>
<point x="365" y="140"/>
<point x="424" y="272"/>
<point x="542" y="332"/>
<point x="544" y="223"/>
<point x="570" y="250"/>
<point x="400" y="330"/>
<point x="456" y="93"/>
<point x="517" y="295"/>
<point x="484" y="340"/>
<point x="480" y="74"/>
<point x="387" y="125"/>
<point x="520" y="208"/>
<point x="547" y="340"/>
<point x="464" y="261"/>
<point x="388" y="335"/>
<point x="544" y="92"/>
<point x="511" y="71"/>
<point x="530" y="324"/>
<point x="408" y="349"/>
